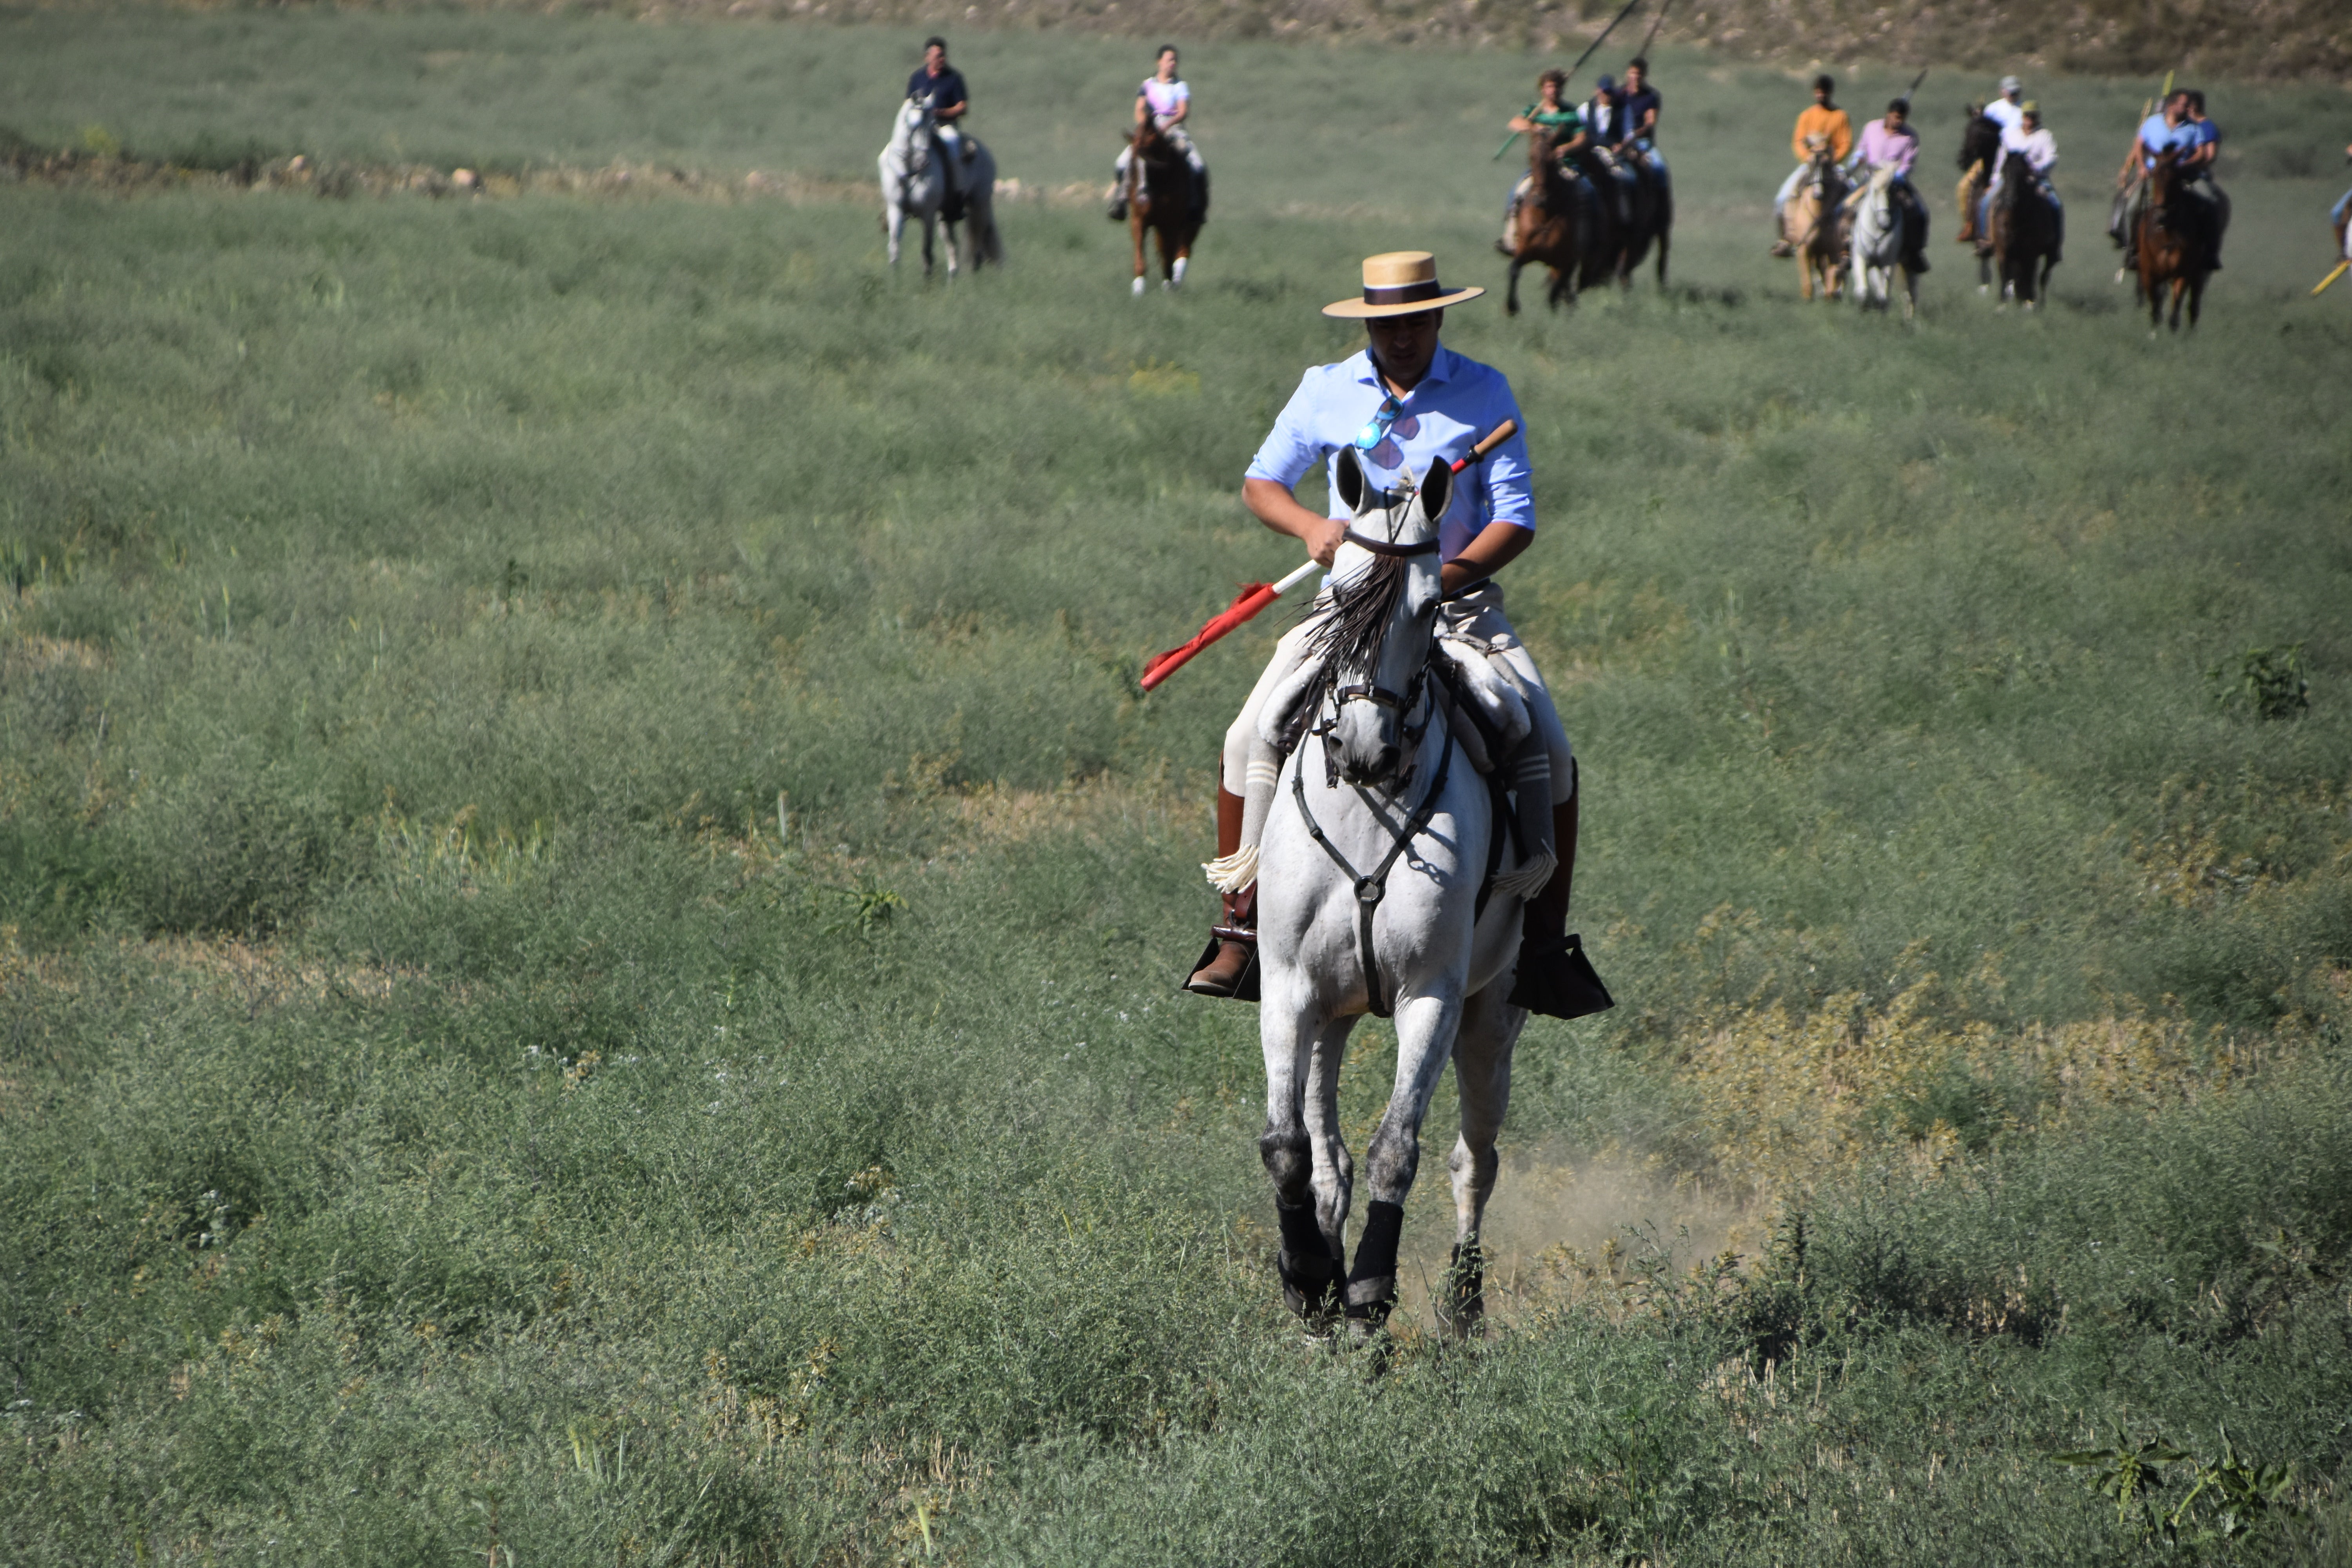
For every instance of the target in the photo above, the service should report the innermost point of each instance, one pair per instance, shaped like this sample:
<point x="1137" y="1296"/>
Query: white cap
<point x="2010" y="84"/>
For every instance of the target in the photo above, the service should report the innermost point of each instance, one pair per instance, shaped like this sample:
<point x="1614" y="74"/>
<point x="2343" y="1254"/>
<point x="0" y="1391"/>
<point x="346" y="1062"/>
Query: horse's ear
<point x="1436" y="489"/>
<point x="1351" y="482"/>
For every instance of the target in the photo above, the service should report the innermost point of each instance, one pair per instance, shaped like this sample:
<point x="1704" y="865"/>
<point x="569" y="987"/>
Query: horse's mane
<point x="1349" y="633"/>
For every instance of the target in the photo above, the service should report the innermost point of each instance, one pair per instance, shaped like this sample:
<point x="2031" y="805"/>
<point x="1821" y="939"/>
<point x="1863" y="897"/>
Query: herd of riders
<point x="1608" y="145"/>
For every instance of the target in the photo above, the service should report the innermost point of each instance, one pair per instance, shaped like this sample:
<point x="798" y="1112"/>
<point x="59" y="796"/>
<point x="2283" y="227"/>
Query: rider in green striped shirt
<point x="1548" y="115"/>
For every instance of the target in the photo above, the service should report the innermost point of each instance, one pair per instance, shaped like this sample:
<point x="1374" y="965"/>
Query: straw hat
<point x="1400" y="283"/>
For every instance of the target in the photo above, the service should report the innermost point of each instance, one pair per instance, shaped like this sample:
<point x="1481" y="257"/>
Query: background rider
<point x="2007" y="111"/>
<point x="1546" y="116"/>
<point x="1638" y="103"/>
<point x="2196" y="168"/>
<point x="1167" y="100"/>
<point x="2028" y="140"/>
<point x="1890" y="142"/>
<point x="1827" y="121"/>
<point x="2166" y="130"/>
<point x="940" y="85"/>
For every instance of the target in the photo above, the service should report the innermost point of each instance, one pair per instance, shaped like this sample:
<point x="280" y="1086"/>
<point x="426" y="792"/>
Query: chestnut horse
<point x="1814" y="223"/>
<point x="1559" y="225"/>
<point x="2176" y="244"/>
<point x="1159" y="200"/>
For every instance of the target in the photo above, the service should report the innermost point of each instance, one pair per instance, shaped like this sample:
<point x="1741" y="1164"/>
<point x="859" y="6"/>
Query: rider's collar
<point x="1441" y="369"/>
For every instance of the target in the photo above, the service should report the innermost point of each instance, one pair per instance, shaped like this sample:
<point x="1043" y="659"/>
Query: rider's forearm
<point x="952" y="111"/>
<point x="1273" y="504"/>
<point x="1498" y="546"/>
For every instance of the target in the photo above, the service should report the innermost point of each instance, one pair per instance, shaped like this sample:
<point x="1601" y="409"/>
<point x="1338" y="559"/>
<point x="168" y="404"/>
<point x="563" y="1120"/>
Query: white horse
<point x="1370" y="877"/>
<point x="914" y="183"/>
<point x="1878" y="249"/>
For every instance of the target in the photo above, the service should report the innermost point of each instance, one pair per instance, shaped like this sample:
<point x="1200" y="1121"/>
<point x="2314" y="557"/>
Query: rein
<point x="1373" y="886"/>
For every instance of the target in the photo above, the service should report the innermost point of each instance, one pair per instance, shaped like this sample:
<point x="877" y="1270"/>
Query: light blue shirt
<point x="2157" y="136"/>
<point x="1445" y="415"/>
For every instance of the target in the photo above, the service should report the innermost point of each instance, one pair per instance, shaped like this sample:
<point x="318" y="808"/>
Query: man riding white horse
<point x="941" y="86"/>
<point x="1404" y="403"/>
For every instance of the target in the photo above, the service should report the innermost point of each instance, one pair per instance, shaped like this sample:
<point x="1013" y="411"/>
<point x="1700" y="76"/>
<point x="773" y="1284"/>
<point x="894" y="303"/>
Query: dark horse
<point x="1979" y="154"/>
<point x="1163" y="199"/>
<point x="1569" y="223"/>
<point x="2024" y="232"/>
<point x="2175" y="244"/>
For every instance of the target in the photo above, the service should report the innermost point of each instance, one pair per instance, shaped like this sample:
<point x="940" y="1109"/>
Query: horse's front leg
<point x="1310" y="1171"/>
<point x="1511" y="293"/>
<point x="893" y="224"/>
<point x="1482" y="1073"/>
<point x="1135" y="220"/>
<point x="1425" y="1027"/>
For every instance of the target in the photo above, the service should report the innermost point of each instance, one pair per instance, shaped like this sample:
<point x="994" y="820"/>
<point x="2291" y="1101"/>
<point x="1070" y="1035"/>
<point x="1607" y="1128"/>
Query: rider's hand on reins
<point x="1323" y="546"/>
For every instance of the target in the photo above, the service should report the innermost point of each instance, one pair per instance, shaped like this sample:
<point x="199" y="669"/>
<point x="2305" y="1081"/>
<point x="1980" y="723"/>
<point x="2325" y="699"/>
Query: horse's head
<point x="1374" y="640"/>
<point x="913" y="129"/>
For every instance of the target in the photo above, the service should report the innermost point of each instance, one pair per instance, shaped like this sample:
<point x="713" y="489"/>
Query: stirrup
<point x="1245" y="986"/>
<point x="1557" y="980"/>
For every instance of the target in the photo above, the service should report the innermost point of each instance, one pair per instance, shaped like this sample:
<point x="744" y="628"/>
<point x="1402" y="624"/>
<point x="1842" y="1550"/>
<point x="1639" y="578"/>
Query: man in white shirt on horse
<point x="2029" y="140"/>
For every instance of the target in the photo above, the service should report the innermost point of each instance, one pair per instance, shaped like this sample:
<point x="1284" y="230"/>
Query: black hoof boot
<point x="1463" y="1308"/>
<point x="1557" y="980"/>
<point x="1314" y="1283"/>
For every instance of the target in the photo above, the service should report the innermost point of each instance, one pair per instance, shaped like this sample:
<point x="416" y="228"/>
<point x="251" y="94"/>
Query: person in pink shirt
<point x="1166" y="100"/>
<point x="1890" y="141"/>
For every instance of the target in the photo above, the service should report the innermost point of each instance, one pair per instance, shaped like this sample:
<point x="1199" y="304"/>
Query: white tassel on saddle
<point x="1232" y="873"/>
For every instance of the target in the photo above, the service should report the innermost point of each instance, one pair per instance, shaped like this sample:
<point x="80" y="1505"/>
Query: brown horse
<point x="2176" y="244"/>
<point x="1557" y="225"/>
<point x="1161" y="200"/>
<point x="1814" y="223"/>
<point x="2024" y="233"/>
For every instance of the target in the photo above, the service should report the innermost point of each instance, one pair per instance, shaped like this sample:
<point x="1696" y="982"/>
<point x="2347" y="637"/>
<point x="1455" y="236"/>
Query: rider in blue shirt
<point x="1404" y="402"/>
<point x="2165" y="131"/>
<point x="2197" y="169"/>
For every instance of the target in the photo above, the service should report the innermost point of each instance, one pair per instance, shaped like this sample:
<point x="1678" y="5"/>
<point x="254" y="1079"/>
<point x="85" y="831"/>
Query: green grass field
<point x="443" y="1108"/>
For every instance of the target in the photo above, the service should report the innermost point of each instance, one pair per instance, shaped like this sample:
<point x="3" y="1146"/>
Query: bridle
<point x="1366" y="691"/>
<point x="1371" y="887"/>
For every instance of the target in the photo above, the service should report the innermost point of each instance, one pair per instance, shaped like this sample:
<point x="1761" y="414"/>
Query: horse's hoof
<point x="1137" y="289"/>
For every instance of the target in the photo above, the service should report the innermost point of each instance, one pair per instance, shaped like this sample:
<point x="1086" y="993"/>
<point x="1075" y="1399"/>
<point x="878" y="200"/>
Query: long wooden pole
<point x="1579" y="63"/>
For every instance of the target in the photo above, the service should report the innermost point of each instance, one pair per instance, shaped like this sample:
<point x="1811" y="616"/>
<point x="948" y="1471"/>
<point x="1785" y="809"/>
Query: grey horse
<point x="1370" y="877"/>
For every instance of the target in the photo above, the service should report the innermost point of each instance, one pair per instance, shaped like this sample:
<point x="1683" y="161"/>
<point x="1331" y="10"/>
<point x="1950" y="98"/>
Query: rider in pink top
<point x="1899" y="146"/>
<point x="1890" y="142"/>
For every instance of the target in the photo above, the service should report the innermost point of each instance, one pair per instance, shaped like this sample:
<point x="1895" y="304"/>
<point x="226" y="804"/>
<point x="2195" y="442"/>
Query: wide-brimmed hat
<point x="1400" y="283"/>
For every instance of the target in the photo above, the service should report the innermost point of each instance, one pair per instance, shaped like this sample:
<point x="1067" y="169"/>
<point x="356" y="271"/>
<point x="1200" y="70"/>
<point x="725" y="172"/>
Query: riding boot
<point x="1554" y="976"/>
<point x="1228" y="967"/>
<point x="1115" y="200"/>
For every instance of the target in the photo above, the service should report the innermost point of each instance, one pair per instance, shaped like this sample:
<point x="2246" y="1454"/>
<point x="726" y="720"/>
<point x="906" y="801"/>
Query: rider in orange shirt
<point x="1826" y="120"/>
